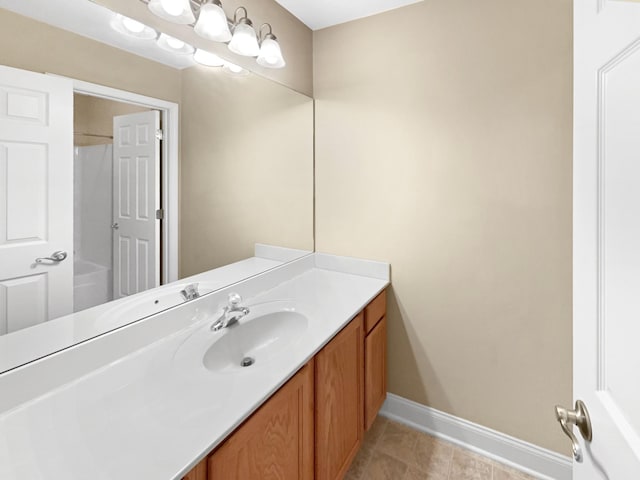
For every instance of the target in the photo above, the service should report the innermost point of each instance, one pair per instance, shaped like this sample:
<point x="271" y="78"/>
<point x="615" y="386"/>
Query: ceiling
<point x="317" y="14"/>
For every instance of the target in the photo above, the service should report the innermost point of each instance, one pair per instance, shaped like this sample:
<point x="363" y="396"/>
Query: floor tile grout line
<point x="450" y="464"/>
<point x="386" y="452"/>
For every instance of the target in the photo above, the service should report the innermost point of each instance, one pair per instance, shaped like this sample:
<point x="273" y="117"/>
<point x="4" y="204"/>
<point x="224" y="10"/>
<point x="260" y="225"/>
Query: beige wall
<point x="443" y="145"/>
<point x="94" y="116"/>
<point x="35" y="46"/>
<point x="247" y="168"/>
<point x="295" y="38"/>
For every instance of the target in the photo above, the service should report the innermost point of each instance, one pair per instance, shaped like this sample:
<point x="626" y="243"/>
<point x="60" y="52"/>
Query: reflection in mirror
<point x="90" y="175"/>
<point x="104" y="229"/>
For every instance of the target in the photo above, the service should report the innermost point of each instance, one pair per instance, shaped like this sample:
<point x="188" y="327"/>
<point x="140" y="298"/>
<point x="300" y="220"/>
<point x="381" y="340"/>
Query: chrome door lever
<point x="580" y="418"/>
<point x="56" y="257"/>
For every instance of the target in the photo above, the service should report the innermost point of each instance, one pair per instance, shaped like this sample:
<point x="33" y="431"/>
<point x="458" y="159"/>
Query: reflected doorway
<point x="117" y="212"/>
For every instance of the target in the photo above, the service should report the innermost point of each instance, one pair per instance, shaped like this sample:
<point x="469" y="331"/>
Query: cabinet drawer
<point x="375" y="311"/>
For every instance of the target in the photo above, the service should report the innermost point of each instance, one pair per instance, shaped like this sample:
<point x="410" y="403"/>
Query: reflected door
<point x="36" y="198"/>
<point x="136" y="175"/>
<point x="607" y="235"/>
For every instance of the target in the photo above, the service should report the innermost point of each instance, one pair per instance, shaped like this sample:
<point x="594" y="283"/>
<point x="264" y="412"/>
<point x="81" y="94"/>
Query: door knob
<point x="578" y="417"/>
<point x="56" y="257"/>
<point x="115" y="226"/>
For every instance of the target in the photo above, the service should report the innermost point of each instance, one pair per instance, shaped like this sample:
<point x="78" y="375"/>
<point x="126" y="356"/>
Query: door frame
<point x="170" y="114"/>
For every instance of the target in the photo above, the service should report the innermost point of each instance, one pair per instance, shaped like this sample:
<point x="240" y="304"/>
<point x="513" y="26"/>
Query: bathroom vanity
<point x="169" y="398"/>
<point x="337" y="395"/>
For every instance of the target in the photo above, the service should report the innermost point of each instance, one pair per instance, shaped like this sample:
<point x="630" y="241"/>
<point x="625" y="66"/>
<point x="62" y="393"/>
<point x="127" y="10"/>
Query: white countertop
<point x="154" y="412"/>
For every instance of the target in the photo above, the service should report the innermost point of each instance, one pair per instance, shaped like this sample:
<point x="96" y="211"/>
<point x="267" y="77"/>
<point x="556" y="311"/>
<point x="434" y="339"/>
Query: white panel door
<point x="36" y="198"/>
<point x="607" y="235"/>
<point x="136" y="196"/>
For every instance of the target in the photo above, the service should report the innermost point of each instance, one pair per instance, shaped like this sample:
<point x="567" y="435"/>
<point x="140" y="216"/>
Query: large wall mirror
<point x="137" y="211"/>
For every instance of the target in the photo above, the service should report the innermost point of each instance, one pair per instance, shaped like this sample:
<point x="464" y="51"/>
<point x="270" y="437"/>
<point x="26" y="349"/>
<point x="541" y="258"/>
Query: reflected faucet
<point x="190" y="292"/>
<point x="231" y="313"/>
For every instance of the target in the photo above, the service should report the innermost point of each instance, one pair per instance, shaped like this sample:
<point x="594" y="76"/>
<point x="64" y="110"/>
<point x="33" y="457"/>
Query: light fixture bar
<point x="207" y="18"/>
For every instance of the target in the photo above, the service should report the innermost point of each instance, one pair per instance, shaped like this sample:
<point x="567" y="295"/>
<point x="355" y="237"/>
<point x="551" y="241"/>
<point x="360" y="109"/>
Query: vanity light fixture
<point x="207" y="59"/>
<point x="212" y="22"/>
<point x="244" y="41"/>
<point x="176" y="11"/>
<point x="133" y="28"/>
<point x="175" y="45"/>
<point x="270" y="53"/>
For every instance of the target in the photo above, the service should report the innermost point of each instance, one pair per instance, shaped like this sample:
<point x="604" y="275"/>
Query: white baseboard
<point x="524" y="456"/>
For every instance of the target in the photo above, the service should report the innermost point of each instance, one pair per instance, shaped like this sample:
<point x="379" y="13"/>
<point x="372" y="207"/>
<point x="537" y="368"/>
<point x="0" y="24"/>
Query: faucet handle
<point x="190" y="292"/>
<point x="234" y="299"/>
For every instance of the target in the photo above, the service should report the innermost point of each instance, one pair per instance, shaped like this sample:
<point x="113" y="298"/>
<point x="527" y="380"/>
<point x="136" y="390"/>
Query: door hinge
<point x="159" y="134"/>
<point x="160" y="214"/>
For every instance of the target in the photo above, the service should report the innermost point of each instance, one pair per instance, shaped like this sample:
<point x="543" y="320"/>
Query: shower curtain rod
<point x="93" y="135"/>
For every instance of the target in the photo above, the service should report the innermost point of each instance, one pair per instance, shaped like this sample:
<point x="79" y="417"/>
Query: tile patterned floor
<point x="392" y="451"/>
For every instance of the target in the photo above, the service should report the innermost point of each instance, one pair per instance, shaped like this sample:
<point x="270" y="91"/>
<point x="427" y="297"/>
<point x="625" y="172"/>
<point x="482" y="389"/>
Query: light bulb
<point x="270" y="53"/>
<point x="174" y="43"/>
<point x="244" y="41"/>
<point x="212" y="23"/>
<point x="207" y="59"/>
<point x="175" y="11"/>
<point x="132" y="25"/>
<point x="133" y="28"/>
<point x="234" y="69"/>
<point x="172" y="7"/>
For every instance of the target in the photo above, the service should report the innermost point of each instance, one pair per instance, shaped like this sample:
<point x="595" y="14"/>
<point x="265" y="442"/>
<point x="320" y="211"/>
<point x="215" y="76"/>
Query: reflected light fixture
<point x="212" y="22"/>
<point x="235" y="69"/>
<point x="133" y="28"/>
<point x="175" y="45"/>
<point x="244" y="41"/>
<point x="176" y="11"/>
<point x="207" y="59"/>
<point x="270" y="55"/>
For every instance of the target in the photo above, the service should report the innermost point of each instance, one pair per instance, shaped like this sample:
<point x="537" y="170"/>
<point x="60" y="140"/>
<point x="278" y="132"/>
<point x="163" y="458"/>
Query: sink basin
<point x="254" y="341"/>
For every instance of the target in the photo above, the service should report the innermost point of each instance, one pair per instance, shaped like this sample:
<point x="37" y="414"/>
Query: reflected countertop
<point x="23" y="346"/>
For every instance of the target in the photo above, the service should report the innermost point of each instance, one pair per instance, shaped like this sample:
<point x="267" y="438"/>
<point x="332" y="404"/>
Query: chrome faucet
<point x="231" y="313"/>
<point x="190" y="292"/>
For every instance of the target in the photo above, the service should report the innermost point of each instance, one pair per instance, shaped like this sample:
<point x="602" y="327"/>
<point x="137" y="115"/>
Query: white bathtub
<point x="91" y="284"/>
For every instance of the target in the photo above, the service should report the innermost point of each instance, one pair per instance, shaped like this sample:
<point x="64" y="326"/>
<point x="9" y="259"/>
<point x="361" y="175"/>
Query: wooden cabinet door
<point x="340" y="401"/>
<point x="276" y="442"/>
<point x="199" y="472"/>
<point x="375" y="367"/>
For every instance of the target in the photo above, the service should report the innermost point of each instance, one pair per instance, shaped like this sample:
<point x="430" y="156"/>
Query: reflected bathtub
<point x="91" y="284"/>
